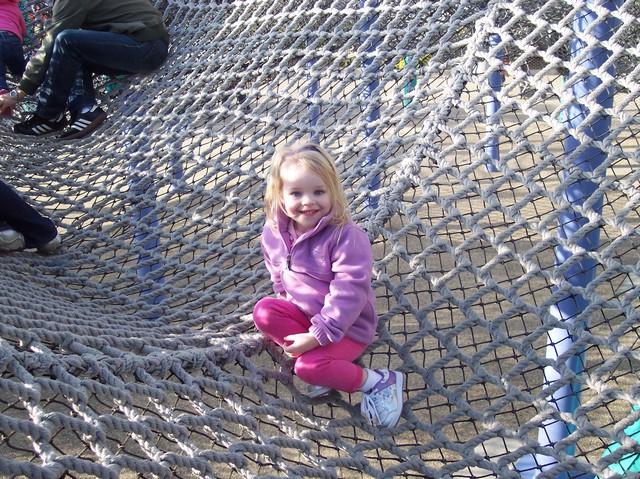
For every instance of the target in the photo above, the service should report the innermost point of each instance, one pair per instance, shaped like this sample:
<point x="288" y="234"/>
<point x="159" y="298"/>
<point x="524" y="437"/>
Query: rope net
<point x="489" y="148"/>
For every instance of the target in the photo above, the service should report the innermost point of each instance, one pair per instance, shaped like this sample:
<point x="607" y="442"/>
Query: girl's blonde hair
<point x="311" y="157"/>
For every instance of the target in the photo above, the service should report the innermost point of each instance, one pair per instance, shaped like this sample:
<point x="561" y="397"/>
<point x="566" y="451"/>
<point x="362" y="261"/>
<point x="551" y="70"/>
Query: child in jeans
<point x="12" y="31"/>
<point x="21" y="226"/>
<point x="103" y="37"/>
<point x="320" y="264"/>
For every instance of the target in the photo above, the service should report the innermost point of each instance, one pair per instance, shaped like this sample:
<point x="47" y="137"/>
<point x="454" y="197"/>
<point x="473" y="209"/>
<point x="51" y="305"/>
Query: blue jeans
<point x="17" y="214"/>
<point x="11" y="57"/>
<point x="85" y="52"/>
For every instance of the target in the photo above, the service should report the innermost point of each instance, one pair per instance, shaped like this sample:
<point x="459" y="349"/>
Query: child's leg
<point x="22" y="217"/>
<point x="11" y="57"/>
<point x="277" y="318"/>
<point x="332" y="365"/>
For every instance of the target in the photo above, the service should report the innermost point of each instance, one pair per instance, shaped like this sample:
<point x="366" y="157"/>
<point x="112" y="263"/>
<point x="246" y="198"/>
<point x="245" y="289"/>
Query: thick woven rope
<point x="489" y="148"/>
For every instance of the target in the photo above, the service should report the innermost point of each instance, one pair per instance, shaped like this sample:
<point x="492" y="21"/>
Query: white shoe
<point x="52" y="246"/>
<point x="11" y="240"/>
<point x="317" y="391"/>
<point x="382" y="404"/>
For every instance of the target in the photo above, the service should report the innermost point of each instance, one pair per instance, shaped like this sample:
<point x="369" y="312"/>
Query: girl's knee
<point x="263" y="313"/>
<point x="260" y="313"/>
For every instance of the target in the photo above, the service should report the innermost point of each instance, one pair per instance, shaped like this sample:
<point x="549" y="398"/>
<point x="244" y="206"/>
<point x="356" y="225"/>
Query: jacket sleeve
<point x="66" y="15"/>
<point x="352" y="265"/>
<point x="266" y="240"/>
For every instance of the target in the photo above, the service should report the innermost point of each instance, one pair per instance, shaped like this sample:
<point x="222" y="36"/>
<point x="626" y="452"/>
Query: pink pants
<point x="330" y="365"/>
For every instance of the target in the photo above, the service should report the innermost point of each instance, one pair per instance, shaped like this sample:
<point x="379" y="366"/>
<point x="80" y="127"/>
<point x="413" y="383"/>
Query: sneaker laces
<point x="369" y="408"/>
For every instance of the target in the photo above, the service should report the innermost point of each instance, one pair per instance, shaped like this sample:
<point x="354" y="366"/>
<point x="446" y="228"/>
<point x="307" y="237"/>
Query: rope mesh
<point x="462" y="134"/>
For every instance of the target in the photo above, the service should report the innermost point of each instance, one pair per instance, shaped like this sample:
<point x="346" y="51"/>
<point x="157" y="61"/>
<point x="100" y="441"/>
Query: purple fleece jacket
<point x="326" y="272"/>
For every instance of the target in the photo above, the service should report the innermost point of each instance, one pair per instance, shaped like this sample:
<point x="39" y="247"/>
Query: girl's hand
<point x="297" y="344"/>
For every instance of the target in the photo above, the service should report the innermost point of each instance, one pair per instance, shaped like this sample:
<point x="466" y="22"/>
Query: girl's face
<point x="305" y="196"/>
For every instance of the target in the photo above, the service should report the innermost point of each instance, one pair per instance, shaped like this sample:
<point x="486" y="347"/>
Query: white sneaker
<point x="52" y="246"/>
<point x="382" y="404"/>
<point x="317" y="391"/>
<point x="11" y="240"/>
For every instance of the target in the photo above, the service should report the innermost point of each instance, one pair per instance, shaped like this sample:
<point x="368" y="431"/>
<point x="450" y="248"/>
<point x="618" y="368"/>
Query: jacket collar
<point x="283" y="222"/>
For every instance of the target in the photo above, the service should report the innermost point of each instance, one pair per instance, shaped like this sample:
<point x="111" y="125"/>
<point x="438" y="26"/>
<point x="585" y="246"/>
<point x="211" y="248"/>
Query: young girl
<point x="320" y="263"/>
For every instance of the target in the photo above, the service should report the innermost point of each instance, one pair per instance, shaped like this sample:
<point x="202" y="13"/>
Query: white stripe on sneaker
<point x="42" y="129"/>
<point x="80" y="124"/>
<point x="84" y="124"/>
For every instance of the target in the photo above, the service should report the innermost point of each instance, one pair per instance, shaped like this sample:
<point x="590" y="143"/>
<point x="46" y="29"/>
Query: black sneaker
<point x="84" y="123"/>
<point x="36" y="126"/>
